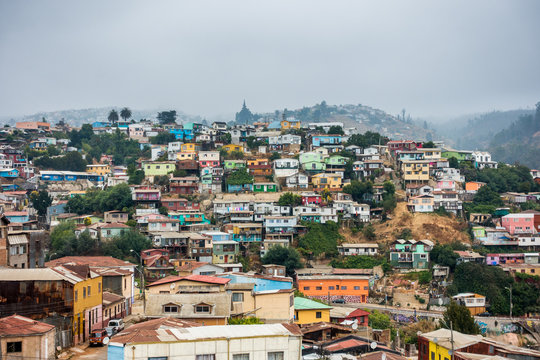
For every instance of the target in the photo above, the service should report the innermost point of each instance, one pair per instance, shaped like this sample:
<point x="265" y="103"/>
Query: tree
<point x="290" y="199"/>
<point x="378" y="320"/>
<point x="321" y="239"/>
<point x="125" y="113"/>
<point x="40" y="201"/>
<point x="113" y="116"/>
<point x="163" y="138"/>
<point x="239" y="177"/>
<point x="461" y="319"/>
<point x="275" y="155"/>
<point x="136" y="177"/>
<point x="336" y="130"/>
<point x="358" y="189"/>
<point x="286" y="256"/>
<point x="428" y="145"/>
<point x="369" y="232"/>
<point x="167" y="117"/>
<point x="244" y="116"/>
<point x="444" y="255"/>
<point x="123" y="246"/>
<point x="453" y="162"/>
<point x="486" y="196"/>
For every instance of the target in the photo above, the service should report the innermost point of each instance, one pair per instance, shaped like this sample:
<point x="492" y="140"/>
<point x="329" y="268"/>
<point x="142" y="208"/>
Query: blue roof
<point x="275" y="125"/>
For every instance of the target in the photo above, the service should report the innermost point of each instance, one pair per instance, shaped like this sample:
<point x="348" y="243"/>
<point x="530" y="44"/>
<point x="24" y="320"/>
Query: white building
<point x="220" y="342"/>
<point x="347" y="249"/>
<point x="297" y="181"/>
<point x="285" y="167"/>
<point x="482" y="159"/>
<point x="315" y="213"/>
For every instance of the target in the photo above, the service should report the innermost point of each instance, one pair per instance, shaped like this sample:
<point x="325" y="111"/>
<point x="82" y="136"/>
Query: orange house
<point x="473" y="186"/>
<point x="351" y="288"/>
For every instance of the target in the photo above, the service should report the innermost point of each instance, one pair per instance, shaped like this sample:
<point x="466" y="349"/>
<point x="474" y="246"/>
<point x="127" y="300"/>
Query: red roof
<point x="198" y="278"/>
<point x="97" y="261"/>
<point x="16" y="325"/>
<point x="346" y="344"/>
<point x="357" y="313"/>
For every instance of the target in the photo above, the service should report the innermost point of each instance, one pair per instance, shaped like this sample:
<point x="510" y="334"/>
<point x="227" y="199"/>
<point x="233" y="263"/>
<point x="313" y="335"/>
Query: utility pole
<point x="511" y="305"/>
<point x="452" y="339"/>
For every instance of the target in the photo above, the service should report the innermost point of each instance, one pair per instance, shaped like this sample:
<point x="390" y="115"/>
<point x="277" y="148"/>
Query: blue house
<point x="55" y="210"/>
<point x="218" y="235"/>
<point x="10" y="187"/>
<point x="189" y="218"/>
<point x="239" y="188"/>
<point x="322" y="140"/>
<point x="262" y="283"/>
<point x="17" y="216"/>
<point x="70" y="176"/>
<point x="9" y="173"/>
<point x="100" y="124"/>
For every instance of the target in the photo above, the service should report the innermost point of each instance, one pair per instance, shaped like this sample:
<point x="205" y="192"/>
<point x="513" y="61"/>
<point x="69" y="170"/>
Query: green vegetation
<point x="239" y="177"/>
<point x="336" y="130"/>
<point x="461" y="319"/>
<point x="286" y="256"/>
<point x="40" y="201"/>
<point x="423" y="277"/>
<point x="486" y="200"/>
<point x="378" y="320"/>
<point x="98" y="201"/>
<point x="367" y="139"/>
<point x="290" y="199"/>
<point x="321" y="239"/>
<point x="72" y="161"/>
<point x="357" y="189"/>
<point x="163" y="138"/>
<point x="167" y="117"/>
<point x="65" y="243"/>
<point x="444" y="254"/>
<point x="361" y="262"/>
<point x="245" y="321"/>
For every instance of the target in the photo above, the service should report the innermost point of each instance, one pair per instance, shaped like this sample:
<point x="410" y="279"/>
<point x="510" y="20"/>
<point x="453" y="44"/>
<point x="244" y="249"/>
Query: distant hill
<point x="475" y="132"/>
<point x="77" y="117"/>
<point x="519" y="142"/>
<point x="361" y="117"/>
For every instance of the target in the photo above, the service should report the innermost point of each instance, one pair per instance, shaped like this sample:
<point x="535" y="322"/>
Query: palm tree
<point x="125" y="113"/>
<point x="113" y="116"/>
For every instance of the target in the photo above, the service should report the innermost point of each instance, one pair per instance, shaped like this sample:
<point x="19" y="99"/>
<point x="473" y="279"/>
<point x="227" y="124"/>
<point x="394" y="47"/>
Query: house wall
<point x="310" y="316"/>
<point x="275" y="307"/>
<point x="320" y="288"/>
<point x="83" y="303"/>
<point x="40" y="346"/>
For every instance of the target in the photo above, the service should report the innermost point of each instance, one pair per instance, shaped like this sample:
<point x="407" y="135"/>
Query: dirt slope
<point x="423" y="226"/>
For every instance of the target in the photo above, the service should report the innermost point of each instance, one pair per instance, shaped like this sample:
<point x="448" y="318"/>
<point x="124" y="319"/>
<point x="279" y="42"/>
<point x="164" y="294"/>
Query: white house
<point x="285" y="167"/>
<point x="482" y="159"/>
<point x="219" y="342"/>
<point x="347" y="249"/>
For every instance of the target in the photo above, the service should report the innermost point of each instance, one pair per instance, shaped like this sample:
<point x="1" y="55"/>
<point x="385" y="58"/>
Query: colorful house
<point x="290" y="123"/>
<point x="524" y="222"/>
<point x="307" y="311"/>
<point x="352" y="288"/>
<point x="209" y="158"/>
<point x="331" y="182"/>
<point x="231" y="165"/>
<point x="265" y="187"/>
<point x="326" y="140"/>
<point x="225" y="252"/>
<point x="473" y="186"/>
<point x="158" y="168"/>
<point x="187" y="218"/>
<point x="110" y="230"/>
<point x="100" y="169"/>
<point x="233" y="147"/>
<point x="415" y="171"/>
<point x="474" y="302"/>
<point x="410" y="254"/>
<point x="312" y="162"/>
<point x="190" y="148"/>
<point x="9" y="173"/>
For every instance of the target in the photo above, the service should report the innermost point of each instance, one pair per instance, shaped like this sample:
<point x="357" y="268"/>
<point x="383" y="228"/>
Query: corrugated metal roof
<point x="44" y="274"/>
<point x="17" y="240"/>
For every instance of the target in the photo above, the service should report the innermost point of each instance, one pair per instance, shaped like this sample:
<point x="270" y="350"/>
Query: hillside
<point x="437" y="228"/>
<point x="361" y="117"/>
<point x="476" y="131"/>
<point x="77" y="117"/>
<point x="519" y="142"/>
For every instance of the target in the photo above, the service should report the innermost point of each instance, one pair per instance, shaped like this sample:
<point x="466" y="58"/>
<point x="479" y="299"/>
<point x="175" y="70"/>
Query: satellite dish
<point x="373" y="345"/>
<point x="354" y="325"/>
<point x="105" y="340"/>
<point x="172" y="286"/>
<point x="383" y="357"/>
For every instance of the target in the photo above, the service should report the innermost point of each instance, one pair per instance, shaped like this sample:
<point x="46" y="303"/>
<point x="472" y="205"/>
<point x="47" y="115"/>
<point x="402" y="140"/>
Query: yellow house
<point x="87" y="299"/>
<point x="437" y="344"/>
<point x="186" y="156"/>
<point x="271" y="306"/>
<point x="190" y="147"/>
<point x="323" y="181"/>
<point x="158" y="168"/>
<point x="233" y="147"/>
<point x="415" y="170"/>
<point x="307" y="311"/>
<point x="290" y="123"/>
<point x="430" y="154"/>
<point x="100" y="169"/>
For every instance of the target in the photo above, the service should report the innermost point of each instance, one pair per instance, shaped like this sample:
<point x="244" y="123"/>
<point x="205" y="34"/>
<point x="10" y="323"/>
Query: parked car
<point x="484" y="314"/>
<point x="117" y="325"/>
<point x="99" y="337"/>
<point x="339" y="301"/>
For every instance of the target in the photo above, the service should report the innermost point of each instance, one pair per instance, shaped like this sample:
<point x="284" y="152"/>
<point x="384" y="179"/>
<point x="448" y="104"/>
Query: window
<point x="14" y="347"/>
<point x="170" y="309"/>
<point x="89" y="290"/>
<point x="366" y="288"/>
<point x="306" y="287"/>
<point x="205" y="357"/>
<point x="238" y="297"/>
<point x="99" y="287"/>
<point x="330" y="288"/>
<point x="343" y="288"/>
<point x="76" y="295"/>
<point x="202" y="309"/>
<point x="357" y="288"/>
<point x="275" y="355"/>
<point x="318" y="288"/>
<point x="84" y="293"/>
<point x="318" y="314"/>
<point x="240" y="356"/>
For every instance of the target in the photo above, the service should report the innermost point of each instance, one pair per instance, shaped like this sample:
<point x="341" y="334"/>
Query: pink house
<point x="446" y="184"/>
<point x="525" y="222"/>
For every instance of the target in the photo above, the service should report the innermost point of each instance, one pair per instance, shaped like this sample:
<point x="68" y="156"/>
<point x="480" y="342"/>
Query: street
<point x="91" y="353"/>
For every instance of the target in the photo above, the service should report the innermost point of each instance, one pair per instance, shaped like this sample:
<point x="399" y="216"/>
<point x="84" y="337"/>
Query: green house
<point x="460" y="155"/>
<point x="336" y="160"/>
<point x="312" y="162"/>
<point x="410" y="254"/>
<point x="231" y="165"/>
<point x="265" y="187"/>
<point x="158" y="168"/>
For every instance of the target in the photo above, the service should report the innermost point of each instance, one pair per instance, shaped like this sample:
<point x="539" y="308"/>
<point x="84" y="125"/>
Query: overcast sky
<point x="205" y="57"/>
